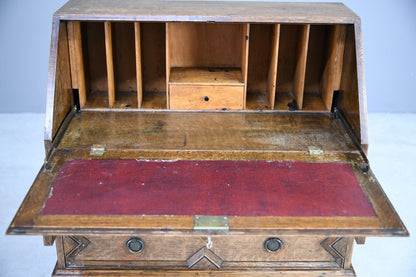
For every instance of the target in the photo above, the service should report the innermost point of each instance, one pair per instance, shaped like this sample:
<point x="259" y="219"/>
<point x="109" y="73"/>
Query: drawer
<point x="206" y="97"/>
<point x="189" y="251"/>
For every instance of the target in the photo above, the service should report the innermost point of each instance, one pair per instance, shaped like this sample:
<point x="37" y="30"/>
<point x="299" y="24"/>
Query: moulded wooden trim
<point x="84" y="224"/>
<point x="179" y="272"/>
<point x="322" y="225"/>
<point x="203" y="11"/>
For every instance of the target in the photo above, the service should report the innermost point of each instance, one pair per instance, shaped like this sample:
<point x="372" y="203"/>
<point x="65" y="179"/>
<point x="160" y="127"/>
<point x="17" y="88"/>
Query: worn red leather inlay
<point x="233" y="188"/>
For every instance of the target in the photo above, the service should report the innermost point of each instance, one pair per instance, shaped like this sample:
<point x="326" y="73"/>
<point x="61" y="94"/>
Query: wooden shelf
<point x="206" y="76"/>
<point x="125" y="100"/>
<point x="258" y="101"/>
<point x="96" y="100"/>
<point x="154" y="100"/>
<point x="282" y="101"/>
<point x="314" y="102"/>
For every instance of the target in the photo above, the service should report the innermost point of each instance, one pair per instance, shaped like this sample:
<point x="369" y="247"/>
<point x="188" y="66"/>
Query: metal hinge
<point x="315" y="151"/>
<point x="48" y="167"/>
<point x="97" y="150"/>
<point x="211" y="223"/>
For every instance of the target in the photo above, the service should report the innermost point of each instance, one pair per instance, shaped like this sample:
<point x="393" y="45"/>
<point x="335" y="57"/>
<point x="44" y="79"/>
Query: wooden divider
<point x="137" y="42"/>
<point x="332" y="72"/>
<point x="300" y="69"/>
<point x="167" y="45"/>
<point x="76" y="60"/>
<point x="339" y="58"/>
<point x="110" y="63"/>
<point x="328" y="81"/>
<point x="272" y="74"/>
<point x="244" y="61"/>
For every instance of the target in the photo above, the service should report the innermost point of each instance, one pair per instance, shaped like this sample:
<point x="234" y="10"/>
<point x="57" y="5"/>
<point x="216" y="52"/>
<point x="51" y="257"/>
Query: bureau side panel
<point x="59" y="100"/>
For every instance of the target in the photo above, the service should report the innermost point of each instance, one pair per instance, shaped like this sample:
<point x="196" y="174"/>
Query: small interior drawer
<point x="206" y="97"/>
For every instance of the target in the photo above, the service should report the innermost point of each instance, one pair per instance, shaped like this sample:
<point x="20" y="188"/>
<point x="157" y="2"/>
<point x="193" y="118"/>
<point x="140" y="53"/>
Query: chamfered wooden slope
<point x="221" y="11"/>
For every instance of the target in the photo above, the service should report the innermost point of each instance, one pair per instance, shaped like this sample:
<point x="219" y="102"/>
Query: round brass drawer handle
<point x="135" y="245"/>
<point x="273" y="245"/>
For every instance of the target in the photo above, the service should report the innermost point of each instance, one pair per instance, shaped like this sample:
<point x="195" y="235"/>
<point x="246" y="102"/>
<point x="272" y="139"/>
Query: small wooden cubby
<point x="206" y="66"/>
<point x="112" y="68"/>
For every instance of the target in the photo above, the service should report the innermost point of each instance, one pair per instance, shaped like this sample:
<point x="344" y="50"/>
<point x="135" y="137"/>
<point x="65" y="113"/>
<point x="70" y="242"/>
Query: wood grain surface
<point x="147" y="10"/>
<point x="29" y="221"/>
<point x="208" y="97"/>
<point x="207" y="131"/>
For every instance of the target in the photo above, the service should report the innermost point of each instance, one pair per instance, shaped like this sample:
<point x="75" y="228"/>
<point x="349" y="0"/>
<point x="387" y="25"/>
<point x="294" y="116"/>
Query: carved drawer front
<point x="213" y="97"/>
<point x="204" y="251"/>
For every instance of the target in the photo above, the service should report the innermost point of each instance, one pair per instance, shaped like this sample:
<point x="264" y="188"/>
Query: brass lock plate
<point x="211" y="223"/>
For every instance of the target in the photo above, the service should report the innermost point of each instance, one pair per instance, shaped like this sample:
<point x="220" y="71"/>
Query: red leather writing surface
<point x="233" y="188"/>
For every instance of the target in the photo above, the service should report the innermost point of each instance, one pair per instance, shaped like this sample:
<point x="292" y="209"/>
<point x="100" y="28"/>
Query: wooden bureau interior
<point x="174" y="65"/>
<point x="237" y="94"/>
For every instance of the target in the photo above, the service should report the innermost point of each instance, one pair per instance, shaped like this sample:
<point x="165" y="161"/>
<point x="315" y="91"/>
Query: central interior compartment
<point x="207" y="65"/>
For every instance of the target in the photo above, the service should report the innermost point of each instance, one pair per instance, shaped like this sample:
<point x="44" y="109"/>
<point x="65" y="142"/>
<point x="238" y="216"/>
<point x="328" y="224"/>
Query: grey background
<point x="389" y="36"/>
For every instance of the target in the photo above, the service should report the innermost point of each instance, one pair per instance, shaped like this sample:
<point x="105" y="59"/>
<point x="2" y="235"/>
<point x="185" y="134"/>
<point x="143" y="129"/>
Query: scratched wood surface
<point x="128" y="141"/>
<point x="211" y="97"/>
<point x="149" y="10"/>
<point x="206" y="131"/>
<point x="174" y="250"/>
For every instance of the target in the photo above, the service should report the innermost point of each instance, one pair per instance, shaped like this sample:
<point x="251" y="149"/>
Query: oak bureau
<point x="205" y="138"/>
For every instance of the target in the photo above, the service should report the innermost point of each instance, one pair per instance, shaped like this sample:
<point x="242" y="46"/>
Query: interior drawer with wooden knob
<point x="206" y="97"/>
<point x="206" y="89"/>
